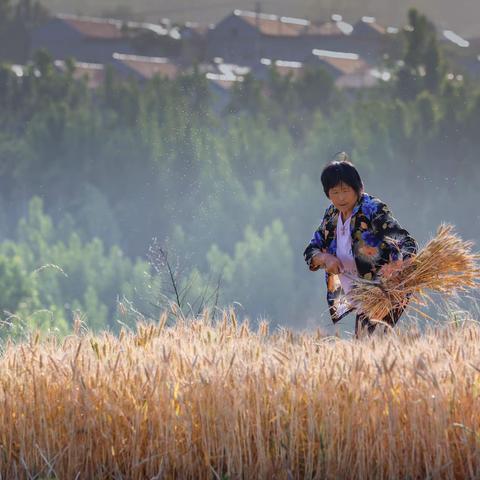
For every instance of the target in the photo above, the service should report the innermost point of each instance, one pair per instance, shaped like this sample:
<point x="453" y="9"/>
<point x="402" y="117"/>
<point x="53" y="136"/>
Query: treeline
<point x="232" y="198"/>
<point x="16" y="19"/>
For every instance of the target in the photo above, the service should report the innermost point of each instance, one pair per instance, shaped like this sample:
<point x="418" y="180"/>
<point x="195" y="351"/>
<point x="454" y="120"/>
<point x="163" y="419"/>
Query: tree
<point x="259" y="274"/>
<point x="423" y="66"/>
<point x="316" y="89"/>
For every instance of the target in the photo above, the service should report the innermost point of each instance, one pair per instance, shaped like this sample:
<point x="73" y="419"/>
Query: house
<point x="85" y="39"/>
<point x="462" y="54"/>
<point x="348" y="70"/>
<point x="371" y="40"/>
<point x="95" y="40"/>
<point x="144" y="68"/>
<point x="92" y="73"/>
<point x="284" y="68"/>
<point x="245" y="37"/>
<point x="337" y="63"/>
<point x="194" y="42"/>
<point x="222" y="78"/>
<point x="455" y="39"/>
<point x="157" y="40"/>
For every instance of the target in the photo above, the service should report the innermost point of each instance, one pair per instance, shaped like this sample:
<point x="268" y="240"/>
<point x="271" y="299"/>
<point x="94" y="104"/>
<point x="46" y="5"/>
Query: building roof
<point x="148" y="67"/>
<point x="369" y="25"/>
<point x="278" y="26"/>
<point x="285" y="68"/>
<point x="274" y="25"/>
<point x="93" y="73"/>
<point x="94" y="28"/>
<point x="224" y="82"/>
<point x="195" y="28"/>
<point x="112" y="29"/>
<point x="225" y="75"/>
<point x="455" y="39"/>
<point x="344" y="63"/>
<point x="330" y="28"/>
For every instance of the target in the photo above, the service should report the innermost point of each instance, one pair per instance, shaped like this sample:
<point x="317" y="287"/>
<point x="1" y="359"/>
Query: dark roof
<point x="369" y="25"/>
<point x="148" y="67"/>
<point x="95" y="28"/>
<point x="195" y="28"/>
<point x="274" y="25"/>
<point x="112" y="29"/>
<point x="285" y="68"/>
<point x="93" y="73"/>
<point x="329" y="28"/>
<point x="222" y="81"/>
<point x="344" y="63"/>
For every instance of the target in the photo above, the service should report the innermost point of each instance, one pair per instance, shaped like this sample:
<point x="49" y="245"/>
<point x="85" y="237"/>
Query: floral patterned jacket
<point x="377" y="239"/>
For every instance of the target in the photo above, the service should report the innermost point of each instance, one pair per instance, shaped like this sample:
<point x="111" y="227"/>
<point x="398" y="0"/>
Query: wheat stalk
<point x="446" y="265"/>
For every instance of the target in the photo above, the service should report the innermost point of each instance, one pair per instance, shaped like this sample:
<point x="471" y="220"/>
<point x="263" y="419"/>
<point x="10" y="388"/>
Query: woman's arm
<point x="386" y="226"/>
<point x="316" y="246"/>
<point x="314" y="250"/>
<point x="315" y="254"/>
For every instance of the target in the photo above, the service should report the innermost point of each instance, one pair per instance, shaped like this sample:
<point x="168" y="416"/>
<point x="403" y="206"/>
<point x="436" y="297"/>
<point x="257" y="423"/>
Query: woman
<point x="358" y="238"/>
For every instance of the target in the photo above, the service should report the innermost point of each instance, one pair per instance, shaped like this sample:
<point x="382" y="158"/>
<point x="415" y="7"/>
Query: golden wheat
<point x="446" y="265"/>
<point x="202" y="401"/>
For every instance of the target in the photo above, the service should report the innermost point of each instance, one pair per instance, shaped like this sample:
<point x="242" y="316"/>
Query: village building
<point x="84" y="39"/>
<point x="92" y="73"/>
<point x="97" y="39"/>
<point x="284" y="68"/>
<point x="144" y="68"/>
<point x="463" y="55"/>
<point x="369" y="39"/>
<point x="246" y="37"/>
<point x="348" y="70"/>
<point x="194" y="42"/>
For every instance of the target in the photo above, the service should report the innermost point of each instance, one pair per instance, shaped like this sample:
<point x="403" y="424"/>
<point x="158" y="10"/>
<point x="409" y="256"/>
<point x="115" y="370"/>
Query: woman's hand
<point x="333" y="264"/>
<point x="324" y="260"/>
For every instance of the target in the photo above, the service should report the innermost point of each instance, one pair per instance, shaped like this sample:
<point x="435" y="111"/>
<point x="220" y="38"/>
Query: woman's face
<point x="343" y="197"/>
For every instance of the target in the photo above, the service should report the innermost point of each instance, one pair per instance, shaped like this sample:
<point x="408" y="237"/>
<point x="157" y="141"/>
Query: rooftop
<point x="345" y="63"/>
<point x="274" y="25"/>
<point x="285" y="68"/>
<point x="148" y="67"/>
<point x="366" y="24"/>
<point x="112" y="29"/>
<point x="98" y="28"/>
<point x="338" y="27"/>
<point x="456" y="39"/>
<point x="93" y="73"/>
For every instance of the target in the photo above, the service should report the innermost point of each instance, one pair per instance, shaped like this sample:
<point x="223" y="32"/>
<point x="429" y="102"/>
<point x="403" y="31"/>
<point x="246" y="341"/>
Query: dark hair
<point x="341" y="171"/>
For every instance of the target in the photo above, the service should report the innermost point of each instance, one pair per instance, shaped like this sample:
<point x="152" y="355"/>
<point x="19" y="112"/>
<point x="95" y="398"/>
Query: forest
<point x="117" y="202"/>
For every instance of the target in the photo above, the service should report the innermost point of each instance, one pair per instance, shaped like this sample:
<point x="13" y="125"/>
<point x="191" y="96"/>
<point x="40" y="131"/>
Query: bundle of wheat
<point x="446" y="265"/>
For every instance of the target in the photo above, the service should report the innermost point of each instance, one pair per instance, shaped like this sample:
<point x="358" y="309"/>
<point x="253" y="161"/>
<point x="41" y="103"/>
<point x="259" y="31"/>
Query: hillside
<point x="461" y="16"/>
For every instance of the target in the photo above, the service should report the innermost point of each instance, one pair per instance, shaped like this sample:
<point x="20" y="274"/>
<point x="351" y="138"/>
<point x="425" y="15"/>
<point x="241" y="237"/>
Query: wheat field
<point x="218" y="400"/>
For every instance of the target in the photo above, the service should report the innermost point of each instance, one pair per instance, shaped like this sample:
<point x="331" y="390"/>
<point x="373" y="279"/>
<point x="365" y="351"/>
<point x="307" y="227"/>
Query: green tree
<point x="259" y="273"/>
<point x="423" y="67"/>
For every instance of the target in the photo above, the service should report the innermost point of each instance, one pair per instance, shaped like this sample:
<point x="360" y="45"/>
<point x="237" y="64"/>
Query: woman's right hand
<point x="330" y="262"/>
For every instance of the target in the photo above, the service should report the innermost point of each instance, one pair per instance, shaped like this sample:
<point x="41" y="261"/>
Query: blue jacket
<point x="377" y="239"/>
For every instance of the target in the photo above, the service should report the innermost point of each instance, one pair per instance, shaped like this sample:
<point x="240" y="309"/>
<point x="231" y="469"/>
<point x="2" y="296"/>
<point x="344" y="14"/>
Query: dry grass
<point x="221" y="401"/>
<point x="446" y="265"/>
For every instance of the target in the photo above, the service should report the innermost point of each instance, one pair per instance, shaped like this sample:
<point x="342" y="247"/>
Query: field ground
<point x="209" y="399"/>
